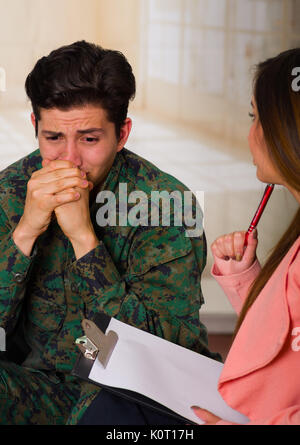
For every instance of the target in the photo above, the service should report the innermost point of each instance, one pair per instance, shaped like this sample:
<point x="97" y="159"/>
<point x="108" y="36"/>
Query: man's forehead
<point x="91" y="115"/>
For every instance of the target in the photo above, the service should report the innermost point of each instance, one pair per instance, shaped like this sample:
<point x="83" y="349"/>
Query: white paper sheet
<point x="167" y="373"/>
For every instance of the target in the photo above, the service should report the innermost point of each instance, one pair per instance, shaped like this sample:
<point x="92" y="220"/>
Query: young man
<point x="58" y="264"/>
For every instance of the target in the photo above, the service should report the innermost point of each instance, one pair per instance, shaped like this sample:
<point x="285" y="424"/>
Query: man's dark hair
<point x="79" y="74"/>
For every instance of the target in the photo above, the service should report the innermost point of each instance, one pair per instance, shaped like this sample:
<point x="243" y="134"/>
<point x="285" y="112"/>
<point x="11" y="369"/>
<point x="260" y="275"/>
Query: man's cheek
<point x="49" y="153"/>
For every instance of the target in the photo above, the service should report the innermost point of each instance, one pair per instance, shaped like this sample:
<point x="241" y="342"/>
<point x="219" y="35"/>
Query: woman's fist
<point x="230" y="255"/>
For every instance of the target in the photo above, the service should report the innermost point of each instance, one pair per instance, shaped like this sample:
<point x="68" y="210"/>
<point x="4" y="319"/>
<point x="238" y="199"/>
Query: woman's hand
<point x="230" y="255"/>
<point x="207" y="417"/>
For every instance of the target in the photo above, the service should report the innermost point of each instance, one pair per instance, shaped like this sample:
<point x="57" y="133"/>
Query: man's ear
<point x="124" y="133"/>
<point x="34" y="123"/>
<point x="32" y="116"/>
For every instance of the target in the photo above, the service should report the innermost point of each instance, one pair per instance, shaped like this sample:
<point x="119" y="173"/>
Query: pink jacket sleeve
<point x="289" y="413"/>
<point x="236" y="286"/>
<point x="287" y="416"/>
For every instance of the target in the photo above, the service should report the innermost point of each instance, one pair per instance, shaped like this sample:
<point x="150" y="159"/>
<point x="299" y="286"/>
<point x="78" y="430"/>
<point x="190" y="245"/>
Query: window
<point x="197" y="55"/>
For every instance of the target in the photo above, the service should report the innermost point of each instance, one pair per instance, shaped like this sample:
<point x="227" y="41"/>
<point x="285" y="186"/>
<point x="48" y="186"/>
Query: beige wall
<point x="192" y="58"/>
<point x="198" y="56"/>
<point x="119" y="28"/>
<point x="30" y="29"/>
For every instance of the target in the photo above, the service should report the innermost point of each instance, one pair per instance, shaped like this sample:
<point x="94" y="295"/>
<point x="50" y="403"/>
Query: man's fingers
<point x="50" y="202"/>
<point x="57" y="163"/>
<point x="37" y="188"/>
<point x="90" y="187"/>
<point x="46" y="175"/>
<point x="45" y="162"/>
<point x="65" y="197"/>
<point x="49" y="166"/>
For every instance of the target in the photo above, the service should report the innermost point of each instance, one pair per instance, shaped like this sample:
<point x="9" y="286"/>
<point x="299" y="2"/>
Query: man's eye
<point x="90" y="140"/>
<point x="52" y="138"/>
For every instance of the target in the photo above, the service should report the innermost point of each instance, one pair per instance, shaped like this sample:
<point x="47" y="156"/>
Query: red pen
<point x="267" y="193"/>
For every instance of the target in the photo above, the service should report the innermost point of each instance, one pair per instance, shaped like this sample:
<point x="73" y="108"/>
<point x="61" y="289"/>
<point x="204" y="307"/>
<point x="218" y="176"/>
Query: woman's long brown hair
<point x="278" y="106"/>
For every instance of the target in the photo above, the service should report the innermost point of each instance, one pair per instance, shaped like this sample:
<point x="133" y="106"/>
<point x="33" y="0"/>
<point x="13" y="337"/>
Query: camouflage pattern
<point x="148" y="277"/>
<point x="32" y="397"/>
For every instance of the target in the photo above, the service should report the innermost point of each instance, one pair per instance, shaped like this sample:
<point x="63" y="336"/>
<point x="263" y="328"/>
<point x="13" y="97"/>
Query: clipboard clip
<point x="95" y="343"/>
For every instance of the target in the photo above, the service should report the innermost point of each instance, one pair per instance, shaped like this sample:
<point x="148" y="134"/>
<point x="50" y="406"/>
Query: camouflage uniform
<point x="145" y="276"/>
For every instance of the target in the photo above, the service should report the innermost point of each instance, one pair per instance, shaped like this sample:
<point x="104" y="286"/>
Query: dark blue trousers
<point x="109" y="409"/>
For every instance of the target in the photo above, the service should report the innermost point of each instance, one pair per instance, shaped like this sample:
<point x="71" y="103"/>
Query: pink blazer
<point x="261" y="375"/>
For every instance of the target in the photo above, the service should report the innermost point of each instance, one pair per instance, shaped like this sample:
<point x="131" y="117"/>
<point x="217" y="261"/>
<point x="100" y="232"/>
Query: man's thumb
<point x="45" y="162"/>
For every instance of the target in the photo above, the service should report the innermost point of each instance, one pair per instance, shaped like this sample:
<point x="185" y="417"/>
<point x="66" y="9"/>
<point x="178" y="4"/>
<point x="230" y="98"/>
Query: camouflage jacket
<point x="148" y="277"/>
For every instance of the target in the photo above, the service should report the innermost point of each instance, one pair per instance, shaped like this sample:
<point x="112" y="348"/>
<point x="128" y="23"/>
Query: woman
<point x="261" y="376"/>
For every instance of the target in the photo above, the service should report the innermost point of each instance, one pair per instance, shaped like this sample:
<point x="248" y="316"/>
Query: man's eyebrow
<point x="59" y="133"/>
<point x="90" y="130"/>
<point x="51" y="133"/>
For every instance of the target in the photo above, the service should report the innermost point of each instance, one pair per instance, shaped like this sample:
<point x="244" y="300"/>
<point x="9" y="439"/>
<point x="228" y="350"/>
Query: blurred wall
<point x="119" y="27"/>
<point x="30" y="29"/>
<point x="198" y="57"/>
<point x="194" y="59"/>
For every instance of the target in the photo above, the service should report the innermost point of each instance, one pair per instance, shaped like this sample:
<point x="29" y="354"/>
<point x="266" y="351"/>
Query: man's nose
<point x="71" y="153"/>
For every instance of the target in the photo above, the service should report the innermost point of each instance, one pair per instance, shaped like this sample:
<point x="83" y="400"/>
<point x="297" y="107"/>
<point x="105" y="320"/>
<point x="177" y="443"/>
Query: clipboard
<point x="90" y="352"/>
<point x="151" y="371"/>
